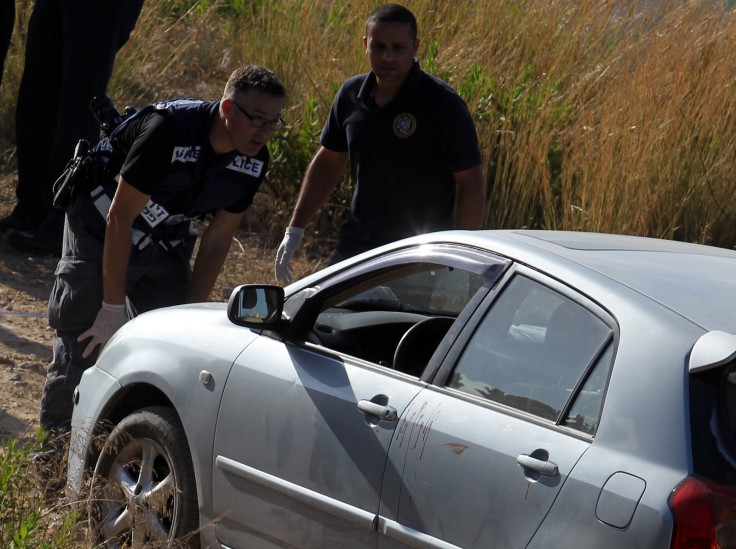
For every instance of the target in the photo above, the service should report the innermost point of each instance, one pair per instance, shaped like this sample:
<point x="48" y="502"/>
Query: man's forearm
<point x="115" y="259"/>
<point x="470" y="200"/>
<point x="319" y="182"/>
<point x="207" y="266"/>
<point x="470" y="211"/>
<point x="127" y="203"/>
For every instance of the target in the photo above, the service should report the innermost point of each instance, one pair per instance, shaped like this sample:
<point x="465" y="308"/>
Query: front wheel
<point x="143" y="488"/>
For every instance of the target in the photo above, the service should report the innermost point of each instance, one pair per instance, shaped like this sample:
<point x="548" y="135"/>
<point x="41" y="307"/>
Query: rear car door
<point x="485" y="450"/>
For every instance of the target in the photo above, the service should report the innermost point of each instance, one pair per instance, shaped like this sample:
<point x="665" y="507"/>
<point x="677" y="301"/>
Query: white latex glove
<point x="109" y="319"/>
<point x="282" y="267"/>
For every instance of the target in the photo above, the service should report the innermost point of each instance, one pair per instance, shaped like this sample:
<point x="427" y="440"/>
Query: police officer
<point x="412" y="146"/>
<point x="7" y="20"/>
<point x="130" y="238"/>
<point x="69" y="57"/>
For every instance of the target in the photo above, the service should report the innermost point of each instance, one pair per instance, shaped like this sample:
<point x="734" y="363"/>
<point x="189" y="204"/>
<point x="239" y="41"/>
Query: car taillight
<point x="705" y="515"/>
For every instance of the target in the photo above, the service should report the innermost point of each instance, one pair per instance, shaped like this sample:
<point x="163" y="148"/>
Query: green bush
<point x="29" y="517"/>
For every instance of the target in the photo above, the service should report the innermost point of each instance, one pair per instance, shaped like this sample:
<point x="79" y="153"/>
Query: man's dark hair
<point x="393" y="13"/>
<point x="253" y="77"/>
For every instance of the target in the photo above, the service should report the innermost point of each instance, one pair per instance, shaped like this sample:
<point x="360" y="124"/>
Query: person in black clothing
<point x="7" y="20"/>
<point x="128" y="236"/>
<point x="69" y="57"/>
<point x="412" y="145"/>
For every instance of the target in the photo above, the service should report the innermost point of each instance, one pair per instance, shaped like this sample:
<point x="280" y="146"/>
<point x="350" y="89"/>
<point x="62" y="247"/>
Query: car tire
<point x="143" y="489"/>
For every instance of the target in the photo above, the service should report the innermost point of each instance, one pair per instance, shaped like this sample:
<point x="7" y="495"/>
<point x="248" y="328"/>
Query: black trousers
<point x="7" y="20"/>
<point x="70" y="52"/>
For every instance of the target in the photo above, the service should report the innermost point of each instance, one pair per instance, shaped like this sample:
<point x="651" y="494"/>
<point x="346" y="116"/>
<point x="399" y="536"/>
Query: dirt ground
<point x="25" y="338"/>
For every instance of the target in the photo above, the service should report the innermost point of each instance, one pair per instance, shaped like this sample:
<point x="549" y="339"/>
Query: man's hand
<point x="109" y="319"/>
<point x="282" y="267"/>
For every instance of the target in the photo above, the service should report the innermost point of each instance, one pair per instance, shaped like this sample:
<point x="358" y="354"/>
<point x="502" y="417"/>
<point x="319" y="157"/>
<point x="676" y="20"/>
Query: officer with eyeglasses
<point x="128" y="237"/>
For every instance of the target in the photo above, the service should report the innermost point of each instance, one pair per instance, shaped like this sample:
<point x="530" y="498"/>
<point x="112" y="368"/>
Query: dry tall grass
<point x="594" y="115"/>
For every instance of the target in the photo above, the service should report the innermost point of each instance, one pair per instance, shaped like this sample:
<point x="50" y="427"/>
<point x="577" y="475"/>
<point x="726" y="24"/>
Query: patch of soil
<point x="25" y="338"/>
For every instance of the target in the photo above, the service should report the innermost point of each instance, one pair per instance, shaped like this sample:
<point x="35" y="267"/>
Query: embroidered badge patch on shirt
<point x="404" y="125"/>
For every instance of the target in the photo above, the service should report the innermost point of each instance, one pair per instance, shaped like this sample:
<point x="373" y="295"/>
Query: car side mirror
<point x="256" y="306"/>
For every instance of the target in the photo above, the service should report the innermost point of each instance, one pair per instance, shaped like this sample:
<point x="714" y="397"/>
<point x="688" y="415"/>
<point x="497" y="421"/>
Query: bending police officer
<point x="130" y="239"/>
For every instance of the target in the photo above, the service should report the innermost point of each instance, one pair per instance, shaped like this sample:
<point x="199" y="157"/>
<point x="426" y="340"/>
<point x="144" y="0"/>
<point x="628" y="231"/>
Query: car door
<point x="301" y="447"/>
<point x="484" y="452"/>
<point x="305" y="425"/>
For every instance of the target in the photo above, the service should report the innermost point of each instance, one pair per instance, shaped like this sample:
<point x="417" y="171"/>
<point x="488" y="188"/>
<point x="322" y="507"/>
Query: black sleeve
<point x="150" y="144"/>
<point x="241" y="205"/>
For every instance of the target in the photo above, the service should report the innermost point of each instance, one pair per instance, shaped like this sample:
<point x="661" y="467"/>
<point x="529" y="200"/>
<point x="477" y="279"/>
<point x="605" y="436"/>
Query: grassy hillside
<point x="592" y="115"/>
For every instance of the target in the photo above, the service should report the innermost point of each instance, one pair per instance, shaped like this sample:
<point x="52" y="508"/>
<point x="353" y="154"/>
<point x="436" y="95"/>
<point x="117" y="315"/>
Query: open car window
<point x="420" y="288"/>
<point x="369" y="319"/>
<point x="539" y="352"/>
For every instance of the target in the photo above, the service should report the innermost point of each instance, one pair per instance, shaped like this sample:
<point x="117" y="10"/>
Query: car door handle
<point x="382" y="411"/>
<point x="544" y="468"/>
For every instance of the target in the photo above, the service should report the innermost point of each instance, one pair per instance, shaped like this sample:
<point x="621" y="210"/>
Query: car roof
<point x="696" y="281"/>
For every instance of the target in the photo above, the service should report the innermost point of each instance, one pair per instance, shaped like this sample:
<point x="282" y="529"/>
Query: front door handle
<point x="382" y="411"/>
<point x="543" y="467"/>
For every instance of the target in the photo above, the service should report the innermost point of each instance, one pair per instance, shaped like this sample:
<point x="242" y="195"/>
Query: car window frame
<point x="445" y="370"/>
<point x="303" y="307"/>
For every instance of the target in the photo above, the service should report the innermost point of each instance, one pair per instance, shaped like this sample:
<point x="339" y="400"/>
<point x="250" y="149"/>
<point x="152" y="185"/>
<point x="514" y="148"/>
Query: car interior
<point x="536" y="350"/>
<point x="398" y="319"/>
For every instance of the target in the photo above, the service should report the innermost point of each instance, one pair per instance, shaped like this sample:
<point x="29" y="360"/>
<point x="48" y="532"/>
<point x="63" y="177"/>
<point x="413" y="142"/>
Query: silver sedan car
<point x="459" y="389"/>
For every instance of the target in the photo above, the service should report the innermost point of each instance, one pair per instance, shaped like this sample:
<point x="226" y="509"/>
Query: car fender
<point x="173" y="351"/>
<point x="88" y="407"/>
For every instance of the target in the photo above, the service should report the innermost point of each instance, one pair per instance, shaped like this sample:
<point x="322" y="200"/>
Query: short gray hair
<point x="253" y="77"/>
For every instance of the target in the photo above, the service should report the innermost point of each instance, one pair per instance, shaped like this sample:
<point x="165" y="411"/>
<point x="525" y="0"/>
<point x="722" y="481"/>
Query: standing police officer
<point x="69" y="58"/>
<point x="412" y="146"/>
<point x="131" y="238"/>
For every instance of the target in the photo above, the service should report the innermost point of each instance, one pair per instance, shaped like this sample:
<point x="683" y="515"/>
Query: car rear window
<point x="713" y="423"/>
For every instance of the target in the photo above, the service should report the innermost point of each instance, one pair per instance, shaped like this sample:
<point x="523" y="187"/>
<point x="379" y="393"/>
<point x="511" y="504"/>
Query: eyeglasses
<point x="260" y="122"/>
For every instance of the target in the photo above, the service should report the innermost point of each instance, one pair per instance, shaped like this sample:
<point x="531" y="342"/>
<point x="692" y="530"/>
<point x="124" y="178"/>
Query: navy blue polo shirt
<point x="402" y="157"/>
